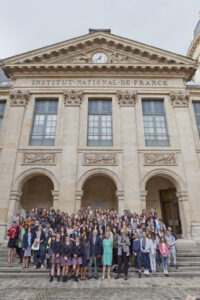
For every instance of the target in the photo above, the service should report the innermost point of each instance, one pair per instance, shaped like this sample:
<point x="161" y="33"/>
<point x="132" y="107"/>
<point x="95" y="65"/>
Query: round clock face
<point x="99" y="58"/>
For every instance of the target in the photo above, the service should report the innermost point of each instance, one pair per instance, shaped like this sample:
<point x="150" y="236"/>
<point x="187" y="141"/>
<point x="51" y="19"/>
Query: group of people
<point x="91" y="239"/>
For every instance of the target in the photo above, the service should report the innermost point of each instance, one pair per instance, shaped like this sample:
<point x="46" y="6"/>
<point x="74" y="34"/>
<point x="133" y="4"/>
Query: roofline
<point x="96" y="34"/>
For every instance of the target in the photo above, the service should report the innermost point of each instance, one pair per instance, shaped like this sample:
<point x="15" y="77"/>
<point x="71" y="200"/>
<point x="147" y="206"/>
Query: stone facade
<point x="132" y="73"/>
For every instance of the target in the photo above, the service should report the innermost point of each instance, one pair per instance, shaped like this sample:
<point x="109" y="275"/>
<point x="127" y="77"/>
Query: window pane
<point x="196" y="106"/>
<point x="2" y="108"/>
<point x="99" y="121"/>
<point x="44" y="125"/>
<point x="155" y="127"/>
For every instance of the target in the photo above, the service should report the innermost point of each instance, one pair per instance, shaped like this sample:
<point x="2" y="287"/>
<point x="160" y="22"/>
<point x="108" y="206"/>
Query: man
<point x="171" y="242"/>
<point x="90" y="210"/>
<point x="125" y="216"/>
<point x="95" y="250"/>
<point x="32" y="213"/>
<point x="16" y="218"/>
<point x="123" y="253"/>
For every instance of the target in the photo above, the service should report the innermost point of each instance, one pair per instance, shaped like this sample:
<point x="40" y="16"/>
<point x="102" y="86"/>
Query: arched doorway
<point x="99" y="191"/>
<point x="161" y="195"/>
<point x="37" y="192"/>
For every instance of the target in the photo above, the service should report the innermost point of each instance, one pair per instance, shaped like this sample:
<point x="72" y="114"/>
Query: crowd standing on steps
<point x="89" y="240"/>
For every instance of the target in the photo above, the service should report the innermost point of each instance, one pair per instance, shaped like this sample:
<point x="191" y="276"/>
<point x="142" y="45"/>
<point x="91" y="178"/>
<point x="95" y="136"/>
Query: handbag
<point x="35" y="246"/>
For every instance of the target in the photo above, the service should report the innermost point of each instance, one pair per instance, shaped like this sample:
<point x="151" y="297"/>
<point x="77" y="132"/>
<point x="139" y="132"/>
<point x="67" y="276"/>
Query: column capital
<point x="180" y="98"/>
<point x="120" y="195"/>
<point x="78" y="195"/>
<point x="19" y="98"/>
<point x="182" y="196"/>
<point x="126" y="98"/>
<point x="15" y="195"/>
<point x="55" y="195"/>
<point x="72" y="97"/>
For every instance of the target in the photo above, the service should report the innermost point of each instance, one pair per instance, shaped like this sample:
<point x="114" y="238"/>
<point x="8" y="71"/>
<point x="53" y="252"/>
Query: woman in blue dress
<point x="107" y="254"/>
<point x="85" y="256"/>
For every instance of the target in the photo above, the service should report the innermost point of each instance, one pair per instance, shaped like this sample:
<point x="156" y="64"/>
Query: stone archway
<point x="103" y="175"/>
<point x="100" y="192"/>
<point x="17" y="189"/>
<point x="165" y="191"/>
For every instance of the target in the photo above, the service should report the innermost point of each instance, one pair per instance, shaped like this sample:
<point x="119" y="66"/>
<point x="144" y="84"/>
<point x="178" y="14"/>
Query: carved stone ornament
<point x="160" y="159"/>
<point x="72" y="98"/>
<point x="99" y="159"/>
<point x="39" y="158"/>
<point x="126" y="98"/>
<point x="180" y="99"/>
<point x="19" y="98"/>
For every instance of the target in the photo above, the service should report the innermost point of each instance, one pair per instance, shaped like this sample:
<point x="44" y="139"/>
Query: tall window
<point x="100" y="123"/>
<point x="196" y="106"/>
<point x="44" y="124"/>
<point x="155" y="127"/>
<point x="2" y="108"/>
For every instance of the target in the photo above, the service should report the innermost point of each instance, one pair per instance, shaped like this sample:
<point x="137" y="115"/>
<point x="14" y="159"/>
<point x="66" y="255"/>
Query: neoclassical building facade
<point x="102" y="120"/>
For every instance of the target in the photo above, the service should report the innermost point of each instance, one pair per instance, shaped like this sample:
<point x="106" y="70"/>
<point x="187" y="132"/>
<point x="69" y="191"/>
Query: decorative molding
<point x="72" y="98"/>
<point x="159" y="159"/>
<point x="99" y="159"/>
<point x="126" y="98"/>
<point x="39" y="158"/>
<point x="180" y="99"/>
<point x="19" y="98"/>
<point x="55" y="195"/>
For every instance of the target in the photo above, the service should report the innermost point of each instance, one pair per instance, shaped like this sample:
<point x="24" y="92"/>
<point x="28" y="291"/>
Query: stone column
<point x="184" y="209"/>
<point x="120" y="201"/>
<point x="78" y="199"/>
<point x="14" y="205"/>
<point x="127" y="101"/>
<point x="18" y="101"/>
<point x="143" y="199"/>
<point x="189" y="210"/>
<point x="55" y="195"/>
<point x="72" y="102"/>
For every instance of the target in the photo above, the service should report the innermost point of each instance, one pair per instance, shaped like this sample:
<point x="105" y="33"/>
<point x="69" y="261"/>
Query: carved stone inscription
<point x="39" y="158"/>
<point x="160" y="159"/>
<point x="99" y="159"/>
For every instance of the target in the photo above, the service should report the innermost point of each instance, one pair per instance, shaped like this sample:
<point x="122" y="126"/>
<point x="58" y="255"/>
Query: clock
<point x="99" y="58"/>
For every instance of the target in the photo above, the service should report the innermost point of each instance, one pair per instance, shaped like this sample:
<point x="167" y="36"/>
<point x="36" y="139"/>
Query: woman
<point x="77" y="257"/>
<point x="107" y="254"/>
<point x="85" y="256"/>
<point x="115" y="248"/>
<point x="137" y="253"/>
<point x="164" y="254"/>
<point x="39" y="246"/>
<point x="102" y="237"/>
<point x="66" y="260"/>
<point x="161" y="232"/>
<point x="24" y="227"/>
<point x="56" y="257"/>
<point x="62" y="234"/>
<point x="145" y="248"/>
<point x="13" y="234"/>
<point x="152" y="253"/>
<point x="158" y="255"/>
<point x="26" y="245"/>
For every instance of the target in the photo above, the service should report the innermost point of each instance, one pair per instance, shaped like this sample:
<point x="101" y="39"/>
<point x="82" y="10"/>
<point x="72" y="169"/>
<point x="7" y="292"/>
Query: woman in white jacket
<point x="152" y="253"/>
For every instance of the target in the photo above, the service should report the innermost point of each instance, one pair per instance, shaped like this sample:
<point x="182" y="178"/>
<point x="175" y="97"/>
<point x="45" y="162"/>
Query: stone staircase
<point x="188" y="261"/>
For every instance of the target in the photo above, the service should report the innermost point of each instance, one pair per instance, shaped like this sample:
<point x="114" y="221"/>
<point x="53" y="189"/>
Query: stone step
<point x="131" y="275"/>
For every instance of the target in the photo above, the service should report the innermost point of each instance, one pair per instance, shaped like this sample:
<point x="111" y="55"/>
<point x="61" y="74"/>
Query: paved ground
<point x="134" y="288"/>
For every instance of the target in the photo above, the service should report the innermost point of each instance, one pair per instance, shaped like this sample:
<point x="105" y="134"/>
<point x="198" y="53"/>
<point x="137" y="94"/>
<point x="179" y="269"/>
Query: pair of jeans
<point x="40" y="253"/>
<point x="123" y="259"/>
<point x="152" y="261"/>
<point x="145" y="257"/>
<point x="138" y="260"/>
<point x="158" y="257"/>
<point x="93" y="259"/>
<point x="164" y="263"/>
<point x="172" y="253"/>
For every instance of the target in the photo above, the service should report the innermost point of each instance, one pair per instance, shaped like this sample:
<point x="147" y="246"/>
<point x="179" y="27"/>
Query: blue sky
<point x="27" y="25"/>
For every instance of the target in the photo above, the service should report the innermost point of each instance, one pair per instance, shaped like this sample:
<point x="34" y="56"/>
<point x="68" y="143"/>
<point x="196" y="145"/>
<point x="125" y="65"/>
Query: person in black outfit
<point x="56" y="257"/>
<point x="77" y="257"/>
<point x="66" y="258"/>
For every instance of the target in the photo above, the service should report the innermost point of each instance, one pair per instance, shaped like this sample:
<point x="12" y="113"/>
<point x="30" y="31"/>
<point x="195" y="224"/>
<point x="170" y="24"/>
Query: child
<point x="137" y="253"/>
<point x="56" y="258"/>
<point x="164" y="254"/>
<point x="66" y="258"/>
<point x="77" y="257"/>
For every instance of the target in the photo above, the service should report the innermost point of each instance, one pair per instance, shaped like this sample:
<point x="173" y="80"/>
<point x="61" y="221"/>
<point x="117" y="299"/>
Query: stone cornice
<point x="180" y="98"/>
<point x="19" y="98"/>
<point x="126" y="98"/>
<point x="73" y="97"/>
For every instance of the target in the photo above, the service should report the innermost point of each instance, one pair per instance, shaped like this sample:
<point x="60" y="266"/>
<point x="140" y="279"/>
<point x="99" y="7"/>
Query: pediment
<point x="79" y="51"/>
